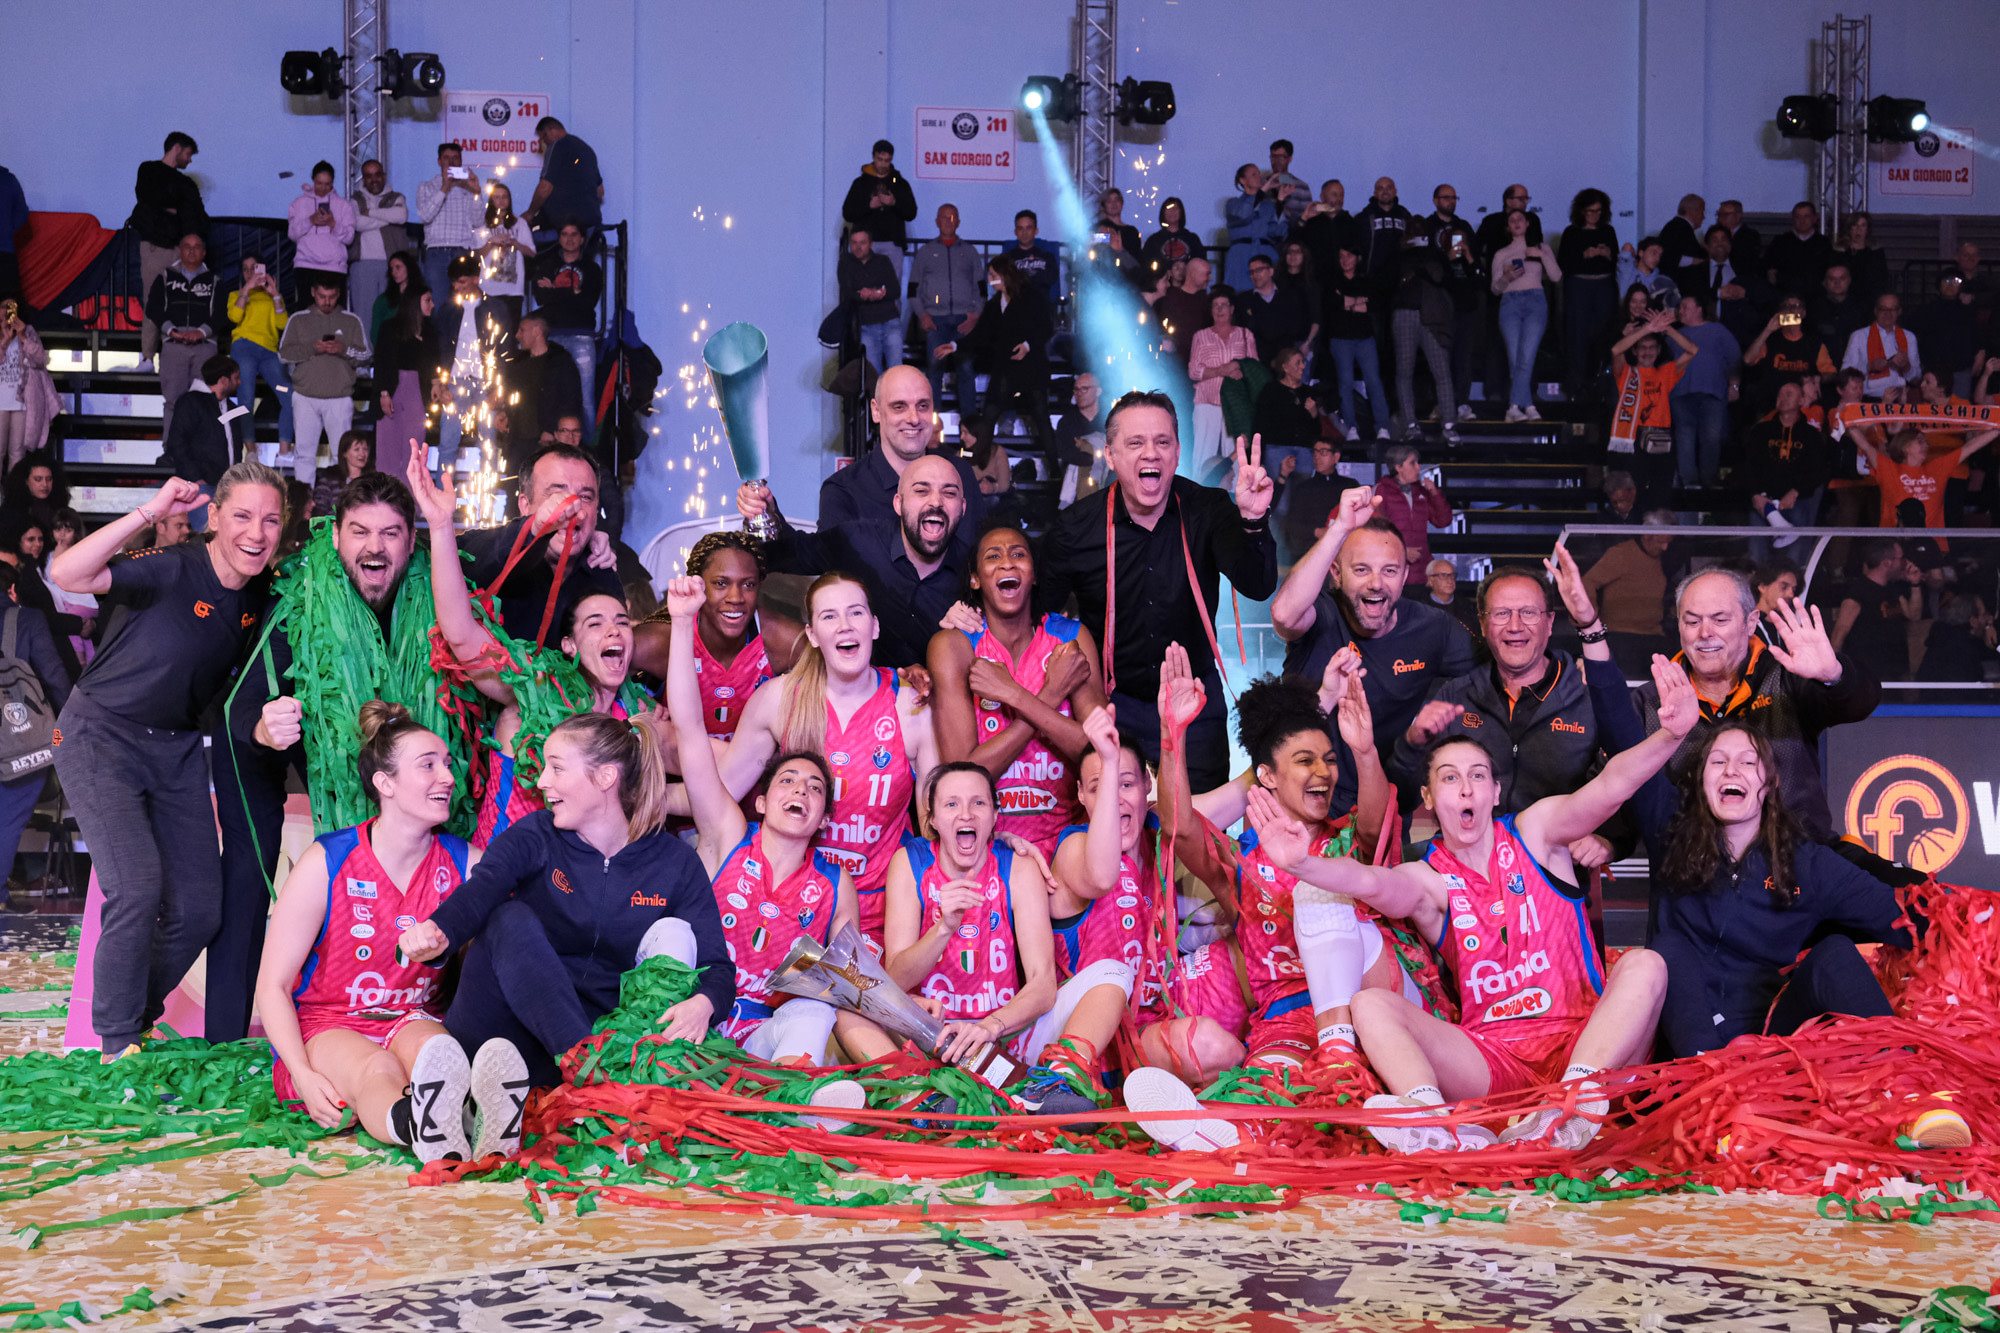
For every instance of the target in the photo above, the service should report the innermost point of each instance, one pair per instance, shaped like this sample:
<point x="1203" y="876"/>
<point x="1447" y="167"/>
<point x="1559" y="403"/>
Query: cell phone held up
<point x="1789" y="320"/>
<point x="459" y="173"/>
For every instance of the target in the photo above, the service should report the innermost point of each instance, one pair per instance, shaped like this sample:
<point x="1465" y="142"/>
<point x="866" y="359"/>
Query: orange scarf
<point x="1875" y="352"/>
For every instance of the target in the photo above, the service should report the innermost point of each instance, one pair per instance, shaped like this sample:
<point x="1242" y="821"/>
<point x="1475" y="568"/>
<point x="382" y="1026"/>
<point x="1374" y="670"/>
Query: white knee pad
<point x="797" y="1027"/>
<point x="1103" y="972"/>
<point x="1333" y="948"/>
<point x="670" y="936"/>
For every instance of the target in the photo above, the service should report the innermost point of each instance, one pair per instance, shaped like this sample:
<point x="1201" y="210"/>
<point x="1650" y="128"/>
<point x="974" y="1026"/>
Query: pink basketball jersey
<point x="762" y="920"/>
<point x="979" y="970"/>
<point x="725" y="690"/>
<point x="506" y="799"/>
<point x="1520" y="947"/>
<point x="1038" y="791"/>
<point x="1264" y="930"/>
<point x="353" y="968"/>
<point x="1116" y="926"/>
<point x="872" y="786"/>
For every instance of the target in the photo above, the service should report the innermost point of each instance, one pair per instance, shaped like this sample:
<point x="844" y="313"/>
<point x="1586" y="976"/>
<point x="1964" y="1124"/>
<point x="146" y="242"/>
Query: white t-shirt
<point x="508" y="274"/>
<point x="13" y="368"/>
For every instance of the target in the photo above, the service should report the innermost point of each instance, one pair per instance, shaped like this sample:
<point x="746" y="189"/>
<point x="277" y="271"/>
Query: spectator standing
<point x="1327" y="228"/>
<point x="321" y="224"/>
<point x="1642" y="406"/>
<point x="1883" y="351"/>
<point x="1309" y="500"/>
<point x="166" y="207"/>
<point x="1588" y="253"/>
<point x="1837" y="312"/>
<point x="1297" y="275"/>
<point x="1949" y="329"/>
<point x="321" y="348"/>
<point x="13" y="217"/>
<point x="506" y="247"/>
<point x="1701" y="399"/>
<point x="1421" y="317"/>
<point x="1493" y="235"/>
<point x="881" y="203"/>
<point x="1736" y="296"/>
<point x="1795" y="261"/>
<point x="1350" y="335"/>
<point x="1746" y="243"/>
<point x="1286" y="415"/>
<point x="1414" y="504"/>
<point x="1035" y="260"/>
<point x="868" y="287"/>
<point x="1872" y="622"/>
<point x="1011" y="340"/>
<point x="1639" y="266"/>
<point x="1185" y="309"/>
<point x="1629" y="587"/>
<point x="947" y="282"/>
<point x="185" y="304"/>
<point x="1155" y="546"/>
<point x="203" y="440"/>
<point x="1300" y="195"/>
<point x="1111" y="208"/>
<point x="569" y="287"/>
<point x="257" y="313"/>
<point x="1173" y="240"/>
<point x="406" y="377"/>
<point x="1213" y="359"/>
<point x="28" y="401"/>
<point x="1520" y="267"/>
<point x="452" y="209"/>
<point x="1383" y="223"/>
<point x="1855" y="248"/>
<point x="570" y="188"/>
<point x="1274" y="316"/>
<point x="1681" y="237"/>
<point x="1785" y="350"/>
<point x="542" y="388"/>
<point x="1440" y="589"/>
<point x="379" y="215"/>
<point x="405" y="277"/>
<point x="470" y="330"/>
<point x="1457" y="247"/>
<point x="35" y="643"/>
<point x="1256" y="224"/>
<point x="1789" y="463"/>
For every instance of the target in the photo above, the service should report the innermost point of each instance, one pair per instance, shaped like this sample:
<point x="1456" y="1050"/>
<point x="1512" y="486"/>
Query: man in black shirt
<point x="543" y="386"/>
<point x="1681" y="237"/>
<point x="1382" y="224"/>
<point x="529" y="598"/>
<point x="570" y="190"/>
<point x="866" y="488"/>
<point x="1837" y="312"/>
<point x="1795" y="260"/>
<point x="1872" y="625"/>
<point x="913" y="571"/>
<point x="568" y="286"/>
<point x="1174" y="540"/>
<point x="166" y="206"/>
<point x="1308" y="501"/>
<point x="881" y="203"/>
<point x="1405" y="645"/>
<point x="1080" y="432"/>
<point x="201" y="440"/>
<point x="1276" y="316"/>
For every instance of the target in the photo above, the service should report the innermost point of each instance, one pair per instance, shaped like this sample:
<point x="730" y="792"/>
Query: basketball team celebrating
<point x="1028" y="835"/>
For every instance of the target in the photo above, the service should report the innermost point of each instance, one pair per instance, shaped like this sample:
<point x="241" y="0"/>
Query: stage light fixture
<point x="1896" y="119"/>
<point x="1147" y="101"/>
<point x="1813" y="116"/>
<point x="312" y="73"/>
<point x="1056" y="98"/>
<point x="415" y="74"/>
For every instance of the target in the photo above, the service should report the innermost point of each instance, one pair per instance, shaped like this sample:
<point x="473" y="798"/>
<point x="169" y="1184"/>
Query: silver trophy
<point x="845" y="973"/>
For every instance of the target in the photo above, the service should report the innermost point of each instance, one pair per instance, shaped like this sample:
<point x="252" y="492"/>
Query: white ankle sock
<point x="1427" y="1094"/>
<point x="1576" y="1071"/>
<point x="1342" y="1033"/>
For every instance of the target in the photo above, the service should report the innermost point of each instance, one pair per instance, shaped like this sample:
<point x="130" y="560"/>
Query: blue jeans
<point x="1701" y="423"/>
<point x="960" y="363"/>
<point x="254" y="359"/>
<point x="1524" y="317"/>
<point x="436" y="265"/>
<point x="1348" y="353"/>
<point x="581" y="344"/>
<point x="882" y="344"/>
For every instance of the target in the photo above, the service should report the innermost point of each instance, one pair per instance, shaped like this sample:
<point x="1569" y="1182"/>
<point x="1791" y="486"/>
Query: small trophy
<point x="845" y="973"/>
<point x="737" y="357"/>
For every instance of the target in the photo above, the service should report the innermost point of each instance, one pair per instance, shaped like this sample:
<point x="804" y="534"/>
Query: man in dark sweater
<point x="881" y="203"/>
<point x="1795" y="260"/>
<point x="166" y="206"/>
<point x="201" y="439"/>
<point x="868" y="285"/>
<point x="542" y="381"/>
<point x="184" y="303"/>
<point x="1307" y="501"/>
<point x="1383" y="223"/>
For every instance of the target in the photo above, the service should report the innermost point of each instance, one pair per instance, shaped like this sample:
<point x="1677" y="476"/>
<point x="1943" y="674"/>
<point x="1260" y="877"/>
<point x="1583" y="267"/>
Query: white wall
<point x="728" y="131"/>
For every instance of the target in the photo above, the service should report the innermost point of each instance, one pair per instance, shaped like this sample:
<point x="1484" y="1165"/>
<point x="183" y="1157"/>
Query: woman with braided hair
<point x="596" y="637"/>
<point x="738" y="645"/>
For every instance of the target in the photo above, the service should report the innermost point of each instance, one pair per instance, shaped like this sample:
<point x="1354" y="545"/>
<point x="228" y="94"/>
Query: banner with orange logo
<point x="1922" y="789"/>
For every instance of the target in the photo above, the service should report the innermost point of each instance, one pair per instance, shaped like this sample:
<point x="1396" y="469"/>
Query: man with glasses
<point x="1883" y="351"/>
<point x="1440" y="589"/>
<point x="1529" y="707"/>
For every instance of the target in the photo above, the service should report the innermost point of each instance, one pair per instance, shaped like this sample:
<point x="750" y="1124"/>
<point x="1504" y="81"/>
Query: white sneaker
<point x="1472" y="1138"/>
<point x="1408" y="1134"/>
<point x="1353" y="434"/>
<point x="439" y="1079"/>
<point x="499" y="1090"/>
<point x="1381" y="432"/>
<point x="669" y="935"/>
<point x="1568" y="1132"/>
<point x="1532" y="1127"/>
<point x="1515" y="414"/>
<point x="844" y="1094"/>
<point x="1531" y="413"/>
<point x="1465" y="412"/>
<point x="1450" y="433"/>
<point x="1148" y="1089"/>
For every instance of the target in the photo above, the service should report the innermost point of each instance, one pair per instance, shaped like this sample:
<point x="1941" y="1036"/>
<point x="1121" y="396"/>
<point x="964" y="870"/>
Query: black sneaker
<point x="1045" y="1092"/>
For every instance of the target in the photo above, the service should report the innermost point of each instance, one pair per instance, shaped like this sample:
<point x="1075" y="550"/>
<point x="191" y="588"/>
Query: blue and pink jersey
<point x="872" y="786"/>
<point x="353" y="971"/>
<point x="1038" y="791"/>
<point x="761" y="920"/>
<point x="726" y="690"/>
<point x="980" y="968"/>
<point x="505" y="798"/>
<point x="1519" y="946"/>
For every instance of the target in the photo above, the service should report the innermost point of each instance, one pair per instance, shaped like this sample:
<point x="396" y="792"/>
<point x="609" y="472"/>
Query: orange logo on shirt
<point x="203" y="609"/>
<point x="1473" y="720"/>
<point x="561" y="881"/>
<point x="1401" y="666"/>
<point x="1559" y="725"/>
<point x="248" y="620"/>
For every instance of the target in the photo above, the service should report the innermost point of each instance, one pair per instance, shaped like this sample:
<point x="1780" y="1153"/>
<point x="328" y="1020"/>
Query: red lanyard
<point x="1194" y="586"/>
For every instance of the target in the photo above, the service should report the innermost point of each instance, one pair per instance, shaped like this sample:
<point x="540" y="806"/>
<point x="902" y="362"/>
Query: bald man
<point x="914" y="566"/>
<point x="865" y="489"/>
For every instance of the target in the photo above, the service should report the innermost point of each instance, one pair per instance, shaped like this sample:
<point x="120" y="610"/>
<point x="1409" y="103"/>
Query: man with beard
<point x="866" y="490"/>
<point x="561" y="491"/>
<point x="1405" y="645"/>
<point x="263" y="734"/>
<point x="913" y="571"/>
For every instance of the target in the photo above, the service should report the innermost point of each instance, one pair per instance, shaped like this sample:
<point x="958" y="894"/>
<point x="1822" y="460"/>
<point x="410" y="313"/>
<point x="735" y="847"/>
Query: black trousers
<point x="1207" y="736"/>
<point x="250" y="806"/>
<point x="1699" y="1015"/>
<point x="1833" y="978"/>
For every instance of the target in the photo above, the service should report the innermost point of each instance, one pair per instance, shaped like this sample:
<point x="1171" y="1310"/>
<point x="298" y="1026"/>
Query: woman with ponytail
<point x="571" y="897"/>
<point x="875" y="733"/>
<point x="596" y="636"/>
<point x="351" y="1021"/>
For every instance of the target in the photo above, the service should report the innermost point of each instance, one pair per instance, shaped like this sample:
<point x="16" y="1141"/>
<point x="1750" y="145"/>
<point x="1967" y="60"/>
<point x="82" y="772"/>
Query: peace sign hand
<point x="1253" y="484"/>
<point x="1807" y="651"/>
